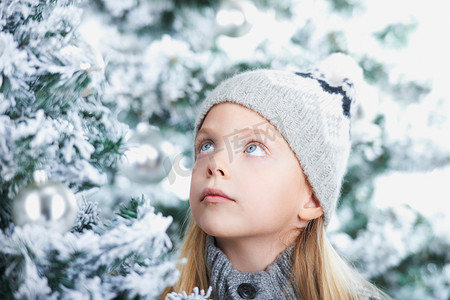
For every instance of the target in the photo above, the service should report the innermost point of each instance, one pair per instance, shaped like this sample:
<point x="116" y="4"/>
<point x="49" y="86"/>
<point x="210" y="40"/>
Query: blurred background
<point x="100" y="98"/>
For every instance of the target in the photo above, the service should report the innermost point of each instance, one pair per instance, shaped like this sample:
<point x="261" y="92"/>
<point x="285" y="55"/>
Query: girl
<point x="271" y="150"/>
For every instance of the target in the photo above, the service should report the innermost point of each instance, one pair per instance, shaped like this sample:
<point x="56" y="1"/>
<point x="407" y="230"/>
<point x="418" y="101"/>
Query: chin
<point x="215" y="229"/>
<point x="219" y="233"/>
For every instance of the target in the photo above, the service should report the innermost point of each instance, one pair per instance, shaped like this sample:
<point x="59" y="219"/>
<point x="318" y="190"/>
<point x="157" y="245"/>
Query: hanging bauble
<point x="46" y="203"/>
<point x="235" y="18"/>
<point x="147" y="159"/>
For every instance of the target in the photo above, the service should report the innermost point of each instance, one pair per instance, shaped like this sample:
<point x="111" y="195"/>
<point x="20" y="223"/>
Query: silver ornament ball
<point x="47" y="203"/>
<point x="147" y="159"/>
<point x="235" y="18"/>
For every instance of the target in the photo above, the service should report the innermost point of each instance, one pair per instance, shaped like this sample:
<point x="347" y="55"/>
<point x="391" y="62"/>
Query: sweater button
<point x="246" y="291"/>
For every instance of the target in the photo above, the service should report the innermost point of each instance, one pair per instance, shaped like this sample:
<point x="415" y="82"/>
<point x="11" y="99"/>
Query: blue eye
<point x="206" y="146"/>
<point x="256" y="150"/>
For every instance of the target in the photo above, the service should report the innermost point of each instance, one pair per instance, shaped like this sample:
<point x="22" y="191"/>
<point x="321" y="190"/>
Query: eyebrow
<point x="255" y="131"/>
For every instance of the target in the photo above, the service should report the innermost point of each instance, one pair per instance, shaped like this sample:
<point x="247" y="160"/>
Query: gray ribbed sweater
<point x="273" y="283"/>
<point x="228" y="283"/>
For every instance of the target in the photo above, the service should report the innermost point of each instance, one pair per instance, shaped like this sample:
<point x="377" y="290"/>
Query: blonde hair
<point x="318" y="270"/>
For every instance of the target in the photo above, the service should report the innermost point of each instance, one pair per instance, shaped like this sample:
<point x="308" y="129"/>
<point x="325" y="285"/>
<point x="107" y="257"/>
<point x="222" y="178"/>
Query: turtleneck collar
<point x="228" y="283"/>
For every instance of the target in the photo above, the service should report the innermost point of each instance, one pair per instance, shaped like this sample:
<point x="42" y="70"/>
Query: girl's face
<point x="243" y="155"/>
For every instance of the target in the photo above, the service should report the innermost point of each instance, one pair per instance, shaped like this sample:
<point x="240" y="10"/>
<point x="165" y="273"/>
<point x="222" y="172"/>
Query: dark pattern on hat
<point x="346" y="100"/>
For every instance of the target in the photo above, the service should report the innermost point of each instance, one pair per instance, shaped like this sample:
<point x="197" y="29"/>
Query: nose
<point x="217" y="166"/>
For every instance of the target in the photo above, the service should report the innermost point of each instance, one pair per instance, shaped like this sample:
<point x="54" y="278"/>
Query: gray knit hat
<point x="310" y="109"/>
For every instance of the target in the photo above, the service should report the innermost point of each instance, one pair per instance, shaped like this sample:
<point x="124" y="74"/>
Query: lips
<point x="211" y="195"/>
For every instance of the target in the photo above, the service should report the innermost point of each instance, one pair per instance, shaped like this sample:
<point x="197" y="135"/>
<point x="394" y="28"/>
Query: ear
<point x="310" y="209"/>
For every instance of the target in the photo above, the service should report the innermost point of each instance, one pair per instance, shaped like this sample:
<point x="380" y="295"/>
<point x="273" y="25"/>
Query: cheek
<point x="261" y="192"/>
<point x="262" y="181"/>
<point x="195" y="186"/>
<point x="194" y="205"/>
<point x="274" y="192"/>
<point x="197" y="174"/>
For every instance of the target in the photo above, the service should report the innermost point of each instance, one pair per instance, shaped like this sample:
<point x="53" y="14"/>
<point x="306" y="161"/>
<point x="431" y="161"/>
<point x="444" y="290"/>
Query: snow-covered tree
<point x="52" y="118"/>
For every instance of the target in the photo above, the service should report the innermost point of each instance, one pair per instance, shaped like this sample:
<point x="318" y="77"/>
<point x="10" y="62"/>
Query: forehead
<point x="231" y="116"/>
<point x="233" y="112"/>
<point x="230" y="119"/>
